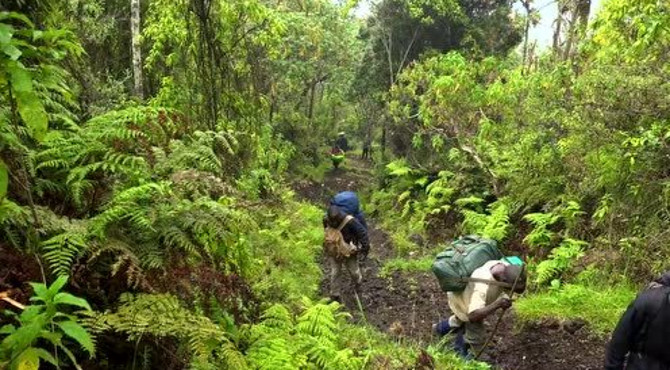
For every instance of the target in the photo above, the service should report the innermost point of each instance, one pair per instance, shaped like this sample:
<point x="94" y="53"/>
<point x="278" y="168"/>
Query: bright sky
<point x="543" y="32"/>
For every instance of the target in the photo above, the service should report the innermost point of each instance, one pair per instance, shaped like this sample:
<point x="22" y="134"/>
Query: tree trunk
<point x="583" y="11"/>
<point x="137" y="50"/>
<point x="572" y="32"/>
<point x="526" y="5"/>
<point x="557" y="32"/>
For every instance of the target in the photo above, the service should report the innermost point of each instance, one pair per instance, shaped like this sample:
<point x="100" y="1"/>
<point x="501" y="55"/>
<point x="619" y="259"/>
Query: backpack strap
<point x="489" y="282"/>
<point x="345" y="222"/>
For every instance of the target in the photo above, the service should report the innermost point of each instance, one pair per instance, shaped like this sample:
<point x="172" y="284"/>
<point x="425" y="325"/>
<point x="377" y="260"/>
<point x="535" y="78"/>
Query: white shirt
<point x="475" y="295"/>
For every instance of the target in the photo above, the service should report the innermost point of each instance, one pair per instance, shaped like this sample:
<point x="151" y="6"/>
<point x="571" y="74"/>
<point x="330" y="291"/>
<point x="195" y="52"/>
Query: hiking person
<point x="367" y="145"/>
<point x="342" y="142"/>
<point x="336" y="156"/>
<point x="478" y="301"/>
<point x="642" y="332"/>
<point x="345" y="242"/>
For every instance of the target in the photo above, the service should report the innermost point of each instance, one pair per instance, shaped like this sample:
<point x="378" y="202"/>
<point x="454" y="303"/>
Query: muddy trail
<point x="407" y="304"/>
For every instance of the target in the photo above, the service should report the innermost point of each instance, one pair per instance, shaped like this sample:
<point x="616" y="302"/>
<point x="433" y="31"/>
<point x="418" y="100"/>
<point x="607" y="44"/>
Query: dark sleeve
<point x="361" y="217"/>
<point x="624" y="335"/>
<point x="361" y="234"/>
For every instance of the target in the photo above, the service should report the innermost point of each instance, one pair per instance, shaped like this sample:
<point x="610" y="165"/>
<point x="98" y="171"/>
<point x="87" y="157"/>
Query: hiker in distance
<point x="342" y="142"/>
<point x="475" y="297"/>
<point x="640" y="340"/>
<point x="345" y="244"/>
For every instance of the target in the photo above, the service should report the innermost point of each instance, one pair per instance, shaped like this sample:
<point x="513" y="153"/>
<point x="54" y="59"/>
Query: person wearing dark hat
<point x="342" y="142"/>
<point x="478" y="301"/>
<point x="640" y="340"/>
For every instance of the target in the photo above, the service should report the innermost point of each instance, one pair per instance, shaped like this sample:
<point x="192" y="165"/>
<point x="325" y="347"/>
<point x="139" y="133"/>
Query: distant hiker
<point x="475" y="297"/>
<point x="336" y="156"/>
<point x="643" y="331"/>
<point x="349" y="203"/>
<point x="367" y="145"/>
<point x="342" y="142"/>
<point x="336" y="151"/>
<point x="345" y="241"/>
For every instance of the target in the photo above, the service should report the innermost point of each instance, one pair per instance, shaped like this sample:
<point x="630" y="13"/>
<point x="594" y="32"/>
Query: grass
<point x="314" y="173"/>
<point x="422" y="264"/>
<point x="388" y="353"/>
<point x="600" y="307"/>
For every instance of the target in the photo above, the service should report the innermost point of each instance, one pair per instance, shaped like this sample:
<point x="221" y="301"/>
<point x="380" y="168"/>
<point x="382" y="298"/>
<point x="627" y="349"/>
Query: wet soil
<point x="407" y="304"/>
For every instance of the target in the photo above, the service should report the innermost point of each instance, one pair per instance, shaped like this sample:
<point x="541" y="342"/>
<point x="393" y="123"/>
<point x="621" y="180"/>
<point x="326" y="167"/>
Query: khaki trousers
<point x="336" y="267"/>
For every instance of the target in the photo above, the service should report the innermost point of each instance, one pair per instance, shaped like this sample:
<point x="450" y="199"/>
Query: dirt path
<point x="408" y="304"/>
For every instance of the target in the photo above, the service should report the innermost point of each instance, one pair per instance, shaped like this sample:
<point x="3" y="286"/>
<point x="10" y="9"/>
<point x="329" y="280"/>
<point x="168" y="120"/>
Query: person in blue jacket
<point x="348" y="203"/>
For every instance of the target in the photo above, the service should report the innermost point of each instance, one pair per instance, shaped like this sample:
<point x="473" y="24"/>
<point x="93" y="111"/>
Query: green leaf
<point x="67" y="298"/>
<point x="22" y="337"/>
<point x="28" y="102"/>
<point x="12" y="51"/>
<point x="4" y="179"/>
<point x="17" y="16"/>
<point x="78" y="333"/>
<point x="31" y="312"/>
<point x="53" y="337"/>
<point x="7" y="329"/>
<point x="6" y="32"/>
<point x="57" y="285"/>
<point x="46" y="356"/>
<point x="28" y="360"/>
<point x="39" y="289"/>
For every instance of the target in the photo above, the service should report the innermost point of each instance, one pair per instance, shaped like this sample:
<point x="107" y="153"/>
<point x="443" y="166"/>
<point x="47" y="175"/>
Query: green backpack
<point x="454" y="266"/>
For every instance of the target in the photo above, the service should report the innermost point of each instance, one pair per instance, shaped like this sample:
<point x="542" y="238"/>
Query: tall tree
<point x="137" y="49"/>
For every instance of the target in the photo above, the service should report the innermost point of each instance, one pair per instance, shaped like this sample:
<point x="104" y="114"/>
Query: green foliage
<point x="4" y="180"/>
<point x="311" y="339"/>
<point x="560" y="260"/>
<point x="560" y="142"/>
<point x="406" y="266"/>
<point x="286" y="250"/>
<point x="45" y="320"/>
<point x="165" y="316"/>
<point x="280" y="340"/>
<point x="384" y="352"/>
<point x="600" y="306"/>
<point x="540" y="236"/>
<point x="494" y="225"/>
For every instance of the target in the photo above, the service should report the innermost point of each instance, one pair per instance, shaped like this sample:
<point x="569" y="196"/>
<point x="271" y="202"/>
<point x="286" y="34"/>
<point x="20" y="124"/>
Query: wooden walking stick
<point x="500" y="316"/>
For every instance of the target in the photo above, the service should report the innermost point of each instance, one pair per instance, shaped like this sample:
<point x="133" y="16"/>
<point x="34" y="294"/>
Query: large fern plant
<point x="280" y="341"/>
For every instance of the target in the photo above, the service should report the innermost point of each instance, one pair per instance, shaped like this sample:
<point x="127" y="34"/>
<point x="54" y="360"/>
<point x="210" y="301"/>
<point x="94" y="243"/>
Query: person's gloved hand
<point x="505" y="303"/>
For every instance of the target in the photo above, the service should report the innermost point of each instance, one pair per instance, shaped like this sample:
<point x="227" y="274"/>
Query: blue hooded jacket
<point x="349" y="203"/>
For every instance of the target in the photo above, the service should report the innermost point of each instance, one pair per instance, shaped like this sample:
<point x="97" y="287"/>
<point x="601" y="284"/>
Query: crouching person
<point x="483" y="295"/>
<point x="345" y="241"/>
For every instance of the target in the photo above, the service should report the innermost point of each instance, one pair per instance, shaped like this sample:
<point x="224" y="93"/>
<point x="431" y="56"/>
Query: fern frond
<point x="62" y="250"/>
